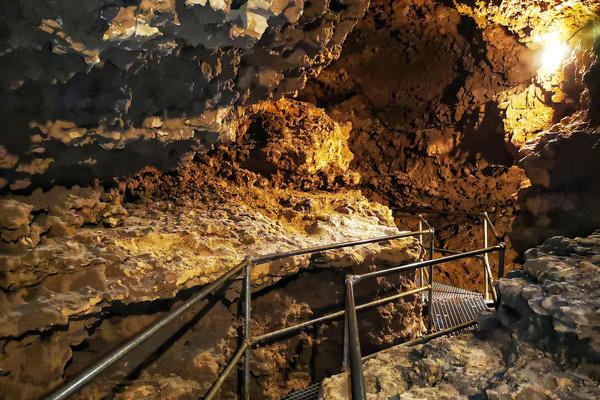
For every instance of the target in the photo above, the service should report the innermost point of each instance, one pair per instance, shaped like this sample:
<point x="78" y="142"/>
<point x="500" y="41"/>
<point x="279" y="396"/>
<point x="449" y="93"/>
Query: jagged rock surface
<point x="565" y="188"/>
<point x="464" y="368"/>
<point x="416" y="82"/>
<point x="554" y="301"/>
<point x="105" y="88"/>
<point x="158" y="251"/>
<point x="445" y="97"/>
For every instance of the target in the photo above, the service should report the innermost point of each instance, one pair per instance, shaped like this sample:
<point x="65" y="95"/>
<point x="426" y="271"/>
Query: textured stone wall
<point x="553" y="301"/>
<point x="445" y="99"/>
<point x="83" y="269"/>
<point x="102" y="88"/>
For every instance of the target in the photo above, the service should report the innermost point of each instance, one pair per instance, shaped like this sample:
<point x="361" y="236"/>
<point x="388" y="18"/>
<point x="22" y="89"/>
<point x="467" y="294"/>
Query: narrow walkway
<point x="452" y="306"/>
<point x="311" y="392"/>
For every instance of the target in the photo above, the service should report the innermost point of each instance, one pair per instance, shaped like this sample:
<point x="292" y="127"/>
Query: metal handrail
<point x="487" y="223"/>
<point x="274" y="257"/>
<point x="355" y="361"/>
<point x="416" y="210"/>
<point x="87" y="375"/>
<point x="90" y="373"/>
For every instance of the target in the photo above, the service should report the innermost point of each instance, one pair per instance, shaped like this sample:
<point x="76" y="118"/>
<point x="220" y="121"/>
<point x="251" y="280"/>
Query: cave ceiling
<point x="102" y="88"/>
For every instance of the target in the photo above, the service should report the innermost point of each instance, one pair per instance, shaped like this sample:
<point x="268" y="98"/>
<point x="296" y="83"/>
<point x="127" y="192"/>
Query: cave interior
<point x="149" y="146"/>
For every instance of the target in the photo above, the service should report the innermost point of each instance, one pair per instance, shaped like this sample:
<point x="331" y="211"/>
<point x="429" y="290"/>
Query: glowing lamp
<point x="554" y="54"/>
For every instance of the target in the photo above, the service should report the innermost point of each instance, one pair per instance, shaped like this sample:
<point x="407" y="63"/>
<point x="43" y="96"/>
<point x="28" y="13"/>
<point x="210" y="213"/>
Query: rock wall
<point x="104" y="88"/>
<point x="553" y="301"/>
<point x="466" y="367"/>
<point x="419" y="81"/>
<point x="83" y="269"/>
<point x="416" y="81"/>
<point x="565" y="189"/>
<point x="445" y="99"/>
<point x="83" y="290"/>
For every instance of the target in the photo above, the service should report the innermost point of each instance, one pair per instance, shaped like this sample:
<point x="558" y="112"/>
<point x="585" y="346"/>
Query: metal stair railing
<point x="245" y="267"/>
<point x="487" y="225"/>
<point x="352" y="342"/>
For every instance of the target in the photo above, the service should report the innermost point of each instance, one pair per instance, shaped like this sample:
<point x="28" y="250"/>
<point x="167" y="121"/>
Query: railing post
<point x="501" y="260"/>
<point x="247" y="327"/>
<point x="421" y="242"/>
<point x="346" y="355"/>
<point x="430" y="300"/>
<point x="485" y="258"/>
<point x="357" y="379"/>
<point x="431" y="245"/>
<point x="88" y="374"/>
<point x="489" y="278"/>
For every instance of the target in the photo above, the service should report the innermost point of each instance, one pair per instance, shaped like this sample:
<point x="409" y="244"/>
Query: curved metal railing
<point x="487" y="226"/>
<point x="357" y="380"/>
<point x="245" y="267"/>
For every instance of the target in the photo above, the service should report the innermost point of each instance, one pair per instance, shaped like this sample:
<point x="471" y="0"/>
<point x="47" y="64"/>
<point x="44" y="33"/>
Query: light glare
<point x="554" y="53"/>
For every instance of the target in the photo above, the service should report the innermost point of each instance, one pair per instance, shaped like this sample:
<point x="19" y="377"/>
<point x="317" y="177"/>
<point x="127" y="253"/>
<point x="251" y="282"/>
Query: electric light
<point x="554" y="54"/>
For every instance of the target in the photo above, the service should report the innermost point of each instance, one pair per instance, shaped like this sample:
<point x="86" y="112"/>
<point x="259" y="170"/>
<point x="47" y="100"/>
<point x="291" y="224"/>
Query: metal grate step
<point x="310" y="392"/>
<point x="441" y="291"/>
<point x="450" y="312"/>
<point x="452" y="306"/>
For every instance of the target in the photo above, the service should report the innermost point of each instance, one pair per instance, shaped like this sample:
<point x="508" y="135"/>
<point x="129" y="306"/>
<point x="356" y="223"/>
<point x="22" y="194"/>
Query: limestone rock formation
<point x="446" y="97"/>
<point x="83" y="269"/>
<point x="146" y="146"/>
<point x="565" y="189"/>
<point x="294" y="144"/>
<point x="105" y="88"/>
<point x="554" y="301"/>
<point x="463" y="368"/>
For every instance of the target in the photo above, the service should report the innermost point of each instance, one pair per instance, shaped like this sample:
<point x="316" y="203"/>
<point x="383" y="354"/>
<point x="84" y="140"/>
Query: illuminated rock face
<point x="82" y="83"/>
<point x="86" y="267"/>
<point x="445" y="98"/>
<point x="66" y="286"/>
